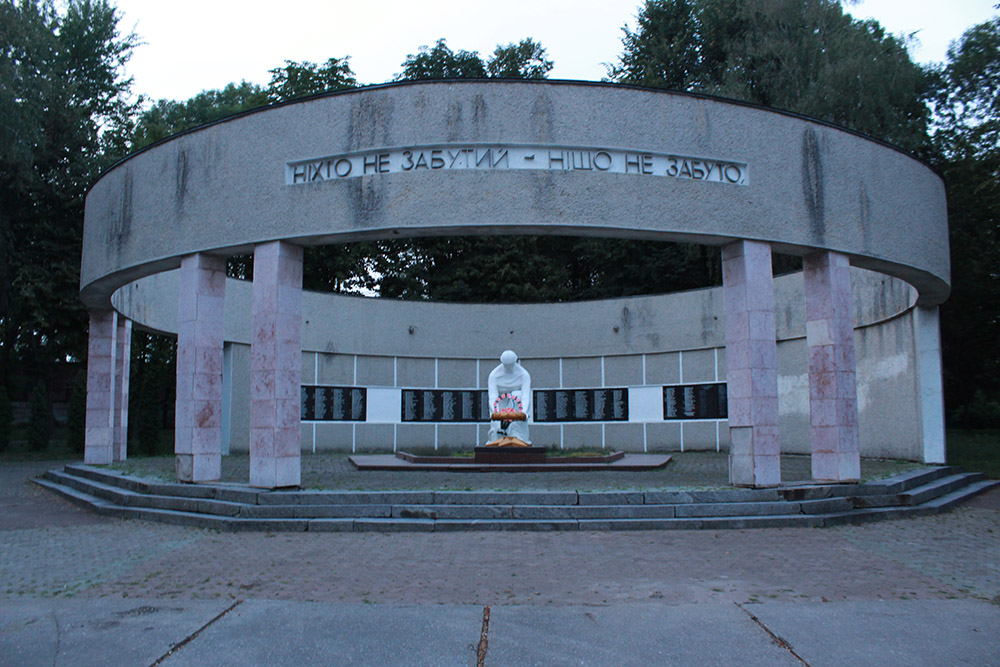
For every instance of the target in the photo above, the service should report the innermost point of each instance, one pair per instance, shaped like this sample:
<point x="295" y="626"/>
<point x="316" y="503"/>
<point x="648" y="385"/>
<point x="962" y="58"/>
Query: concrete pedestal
<point x="751" y="365"/>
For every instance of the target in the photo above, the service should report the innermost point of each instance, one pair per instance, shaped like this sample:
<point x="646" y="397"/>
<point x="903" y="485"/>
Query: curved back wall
<point x="666" y="340"/>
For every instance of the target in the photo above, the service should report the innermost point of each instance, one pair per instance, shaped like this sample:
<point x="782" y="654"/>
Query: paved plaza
<point x="77" y="588"/>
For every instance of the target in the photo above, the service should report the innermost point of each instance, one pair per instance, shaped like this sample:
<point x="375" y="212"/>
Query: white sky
<point x="194" y="45"/>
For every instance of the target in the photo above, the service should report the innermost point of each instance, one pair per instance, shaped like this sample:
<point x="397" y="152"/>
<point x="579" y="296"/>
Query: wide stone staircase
<point x="235" y="507"/>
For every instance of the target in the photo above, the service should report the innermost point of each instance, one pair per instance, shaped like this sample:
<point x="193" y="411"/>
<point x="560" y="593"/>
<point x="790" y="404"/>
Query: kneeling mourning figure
<point x="509" y="389"/>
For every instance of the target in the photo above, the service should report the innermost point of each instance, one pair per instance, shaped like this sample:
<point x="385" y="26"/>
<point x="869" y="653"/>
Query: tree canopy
<point x="967" y="142"/>
<point x="806" y="56"/>
<point x="61" y="82"/>
<point x="440" y="62"/>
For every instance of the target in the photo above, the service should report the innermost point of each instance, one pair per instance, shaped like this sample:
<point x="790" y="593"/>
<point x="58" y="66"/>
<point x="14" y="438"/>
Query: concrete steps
<point x="236" y="508"/>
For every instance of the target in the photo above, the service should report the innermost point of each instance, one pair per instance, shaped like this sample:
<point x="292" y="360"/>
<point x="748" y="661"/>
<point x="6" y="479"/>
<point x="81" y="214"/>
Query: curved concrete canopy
<point x="516" y="157"/>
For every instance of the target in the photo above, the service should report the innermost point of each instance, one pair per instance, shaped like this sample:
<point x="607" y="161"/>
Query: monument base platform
<point x="614" y="461"/>
<point x="510" y="454"/>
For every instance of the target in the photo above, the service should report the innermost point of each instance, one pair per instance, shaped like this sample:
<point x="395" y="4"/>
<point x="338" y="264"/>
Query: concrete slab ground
<point x="637" y="635"/>
<point x="98" y="632"/>
<point x="78" y="589"/>
<point x="83" y="632"/>
<point x="275" y="632"/>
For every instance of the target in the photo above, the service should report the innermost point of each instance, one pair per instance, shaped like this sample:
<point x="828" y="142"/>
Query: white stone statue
<point x="509" y="389"/>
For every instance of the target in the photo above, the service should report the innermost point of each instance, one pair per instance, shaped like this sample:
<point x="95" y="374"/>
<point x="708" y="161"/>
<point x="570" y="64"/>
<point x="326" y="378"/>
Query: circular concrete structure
<point x="565" y="158"/>
<point x="848" y="346"/>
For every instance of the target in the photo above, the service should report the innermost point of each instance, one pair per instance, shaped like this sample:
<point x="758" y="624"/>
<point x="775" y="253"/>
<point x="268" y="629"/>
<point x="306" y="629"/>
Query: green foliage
<point x="306" y="78"/>
<point x="152" y="389"/>
<point x="975" y="450"/>
<point x="6" y="418"/>
<point x="524" y="60"/>
<point x="76" y="414"/>
<point x="60" y="82"/>
<point x="40" y="420"/>
<point x="340" y="268"/>
<point x="148" y="418"/>
<point x="967" y="138"/>
<point x="441" y="62"/>
<point x="982" y="411"/>
<point x="294" y="79"/>
<point x="167" y="117"/>
<point x="806" y="56"/>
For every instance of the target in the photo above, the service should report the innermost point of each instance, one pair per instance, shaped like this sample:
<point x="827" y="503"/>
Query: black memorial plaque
<point x="695" y="401"/>
<point x="332" y="404"/>
<point x="581" y="405"/>
<point x="444" y="405"/>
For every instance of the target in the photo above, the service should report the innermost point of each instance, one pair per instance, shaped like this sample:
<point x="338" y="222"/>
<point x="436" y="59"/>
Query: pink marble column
<point x="751" y="365"/>
<point x="198" y="420"/>
<point x="99" y="439"/>
<point x="123" y="363"/>
<point x="833" y="401"/>
<point x="276" y="366"/>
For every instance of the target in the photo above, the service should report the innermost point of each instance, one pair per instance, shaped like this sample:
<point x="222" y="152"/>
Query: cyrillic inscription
<point x="335" y="404"/>
<point x="501" y="157"/>
<point x="695" y="401"/>
<point x="581" y="405"/>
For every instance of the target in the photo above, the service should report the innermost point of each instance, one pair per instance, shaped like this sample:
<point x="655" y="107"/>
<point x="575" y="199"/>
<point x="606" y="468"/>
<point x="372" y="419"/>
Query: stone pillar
<point x="751" y="365"/>
<point x="227" y="397"/>
<point x="99" y="439"/>
<point x="198" y="419"/>
<point x="833" y="394"/>
<point x="276" y="366"/>
<point x="123" y="363"/>
<point x="931" y="388"/>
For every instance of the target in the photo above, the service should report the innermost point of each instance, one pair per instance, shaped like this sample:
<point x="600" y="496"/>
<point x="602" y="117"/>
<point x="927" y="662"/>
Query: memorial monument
<point x="509" y="391"/>
<point x="838" y="361"/>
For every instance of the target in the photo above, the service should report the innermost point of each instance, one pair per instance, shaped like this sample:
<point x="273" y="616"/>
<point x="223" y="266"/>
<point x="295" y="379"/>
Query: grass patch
<point x="975" y="450"/>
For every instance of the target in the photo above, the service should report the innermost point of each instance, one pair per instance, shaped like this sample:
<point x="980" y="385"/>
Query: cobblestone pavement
<point x="49" y="548"/>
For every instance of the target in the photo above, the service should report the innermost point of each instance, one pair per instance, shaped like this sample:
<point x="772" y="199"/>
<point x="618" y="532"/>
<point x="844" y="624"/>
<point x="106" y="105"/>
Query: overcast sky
<point x="194" y="45"/>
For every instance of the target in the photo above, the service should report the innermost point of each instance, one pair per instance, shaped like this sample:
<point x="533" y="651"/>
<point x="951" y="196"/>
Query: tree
<point x="306" y="78"/>
<point x="152" y="371"/>
<point x="441" y="62"/>
<point x="524" y="60"/>
<point x="805" y="56"/>
<point x="6" y="418"/>
<point x="167" y="117"/>
<point x="967" y="136"/>
<point x="76" y="414"/>
<point x="40" y="419"/>
<point x="61" y="82"/>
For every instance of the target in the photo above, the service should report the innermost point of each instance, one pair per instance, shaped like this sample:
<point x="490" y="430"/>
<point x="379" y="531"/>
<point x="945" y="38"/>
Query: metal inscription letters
<point x="508" y="157"/>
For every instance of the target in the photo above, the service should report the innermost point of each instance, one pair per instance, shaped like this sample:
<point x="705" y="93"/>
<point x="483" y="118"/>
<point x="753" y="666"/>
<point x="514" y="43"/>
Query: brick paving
<point x="51" y="548"/>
